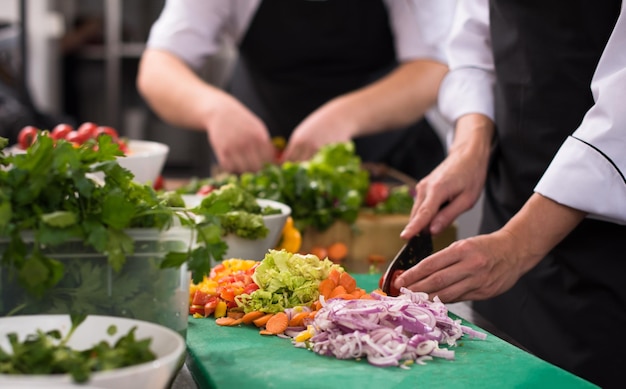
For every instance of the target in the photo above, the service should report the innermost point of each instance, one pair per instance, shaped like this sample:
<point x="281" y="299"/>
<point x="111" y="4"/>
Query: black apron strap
<point x="545" y="54"/>
<point x="298" y="54"/>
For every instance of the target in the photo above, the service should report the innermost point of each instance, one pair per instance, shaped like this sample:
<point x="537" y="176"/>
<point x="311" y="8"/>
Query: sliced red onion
<point x="388" y="331"/>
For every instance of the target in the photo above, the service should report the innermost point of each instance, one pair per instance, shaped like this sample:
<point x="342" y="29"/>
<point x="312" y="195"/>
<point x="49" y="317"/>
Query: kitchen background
<point x="76" y="60"/>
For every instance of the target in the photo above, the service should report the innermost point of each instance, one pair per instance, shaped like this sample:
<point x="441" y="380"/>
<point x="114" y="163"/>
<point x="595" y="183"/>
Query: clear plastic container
<point x="141" y="290"/>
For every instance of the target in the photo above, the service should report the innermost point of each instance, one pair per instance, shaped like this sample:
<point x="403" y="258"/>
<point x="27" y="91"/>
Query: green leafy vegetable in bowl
<point x="329" y="187"/>
<point x="238" y="211"/>
<point x="47" y="352"/>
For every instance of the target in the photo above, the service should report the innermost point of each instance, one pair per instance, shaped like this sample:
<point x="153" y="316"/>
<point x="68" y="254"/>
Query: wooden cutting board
<point x="370" y="238"/>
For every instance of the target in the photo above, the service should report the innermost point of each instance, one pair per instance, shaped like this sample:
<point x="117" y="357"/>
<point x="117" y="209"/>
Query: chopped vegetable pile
<point x="318" y="305"/>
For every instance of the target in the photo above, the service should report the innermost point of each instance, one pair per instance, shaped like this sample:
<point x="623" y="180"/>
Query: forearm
<point x="538" y="227"/>
<point x="396" y="100"/>
<point x="175" y="92"/>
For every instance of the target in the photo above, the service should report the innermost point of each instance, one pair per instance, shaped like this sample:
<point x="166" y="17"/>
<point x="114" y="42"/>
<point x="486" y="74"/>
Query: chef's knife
<point x="417" y="248"/>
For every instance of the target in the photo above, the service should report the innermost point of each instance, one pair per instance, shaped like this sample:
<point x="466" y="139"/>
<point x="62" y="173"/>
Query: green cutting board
<point x="239" y="357"/>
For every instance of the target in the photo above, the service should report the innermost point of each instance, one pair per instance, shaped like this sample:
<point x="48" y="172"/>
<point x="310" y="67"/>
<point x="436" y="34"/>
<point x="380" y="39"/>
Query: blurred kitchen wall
<point x="82" y="58"/>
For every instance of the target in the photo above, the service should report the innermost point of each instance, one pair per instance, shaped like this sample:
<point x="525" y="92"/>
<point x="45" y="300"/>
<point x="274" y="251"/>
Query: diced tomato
<point x="199" y="309"/>
<point x="200" y="298"/>
<point x="227" y="294"/>
<point x="250" y="288"/>
<point x="210" y="306"/>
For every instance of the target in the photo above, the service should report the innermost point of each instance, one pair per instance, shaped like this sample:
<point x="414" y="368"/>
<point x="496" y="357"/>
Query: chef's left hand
<point x="476" y="268"/>
<point x="331" y="123"/>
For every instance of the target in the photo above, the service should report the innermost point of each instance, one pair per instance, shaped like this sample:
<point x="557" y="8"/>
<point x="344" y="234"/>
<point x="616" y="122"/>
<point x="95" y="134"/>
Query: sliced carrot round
<point x="278" y="323"/>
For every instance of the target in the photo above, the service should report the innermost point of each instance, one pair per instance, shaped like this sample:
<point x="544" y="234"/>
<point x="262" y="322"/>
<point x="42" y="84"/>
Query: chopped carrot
<point x="298" y="319"/>
<point x="224" y="321"/>
<point x="312" y="314"/>
<point x="266" y="332"/>
<point x="260" y="322"/>
<point x="366" y="296"/>
<point x="249" y="317"/>
<point x="326" y="287"/>
<point x="235" y="314"/>
<point x="236" y="322"/>
<point x="358" y="292"/>
<point x="334" y="275"/>
<point x="376" y="258"/>
<point x="339" y="289"/>
<point x="337" y="252"/>
<point x="317" y="305"/>
<point x="319" y="252"/>
<point x="347" y="281"/>
<point x="345" y="296"/>
<point x="278" y="323"/>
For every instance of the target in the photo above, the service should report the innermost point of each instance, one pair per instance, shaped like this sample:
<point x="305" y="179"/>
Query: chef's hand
<point x="331" y="123"/>
<point x="484" y="266"/>
<point x="240" y="140"/>
<point x="471" y="269"/>
<point x="457" y="182"/>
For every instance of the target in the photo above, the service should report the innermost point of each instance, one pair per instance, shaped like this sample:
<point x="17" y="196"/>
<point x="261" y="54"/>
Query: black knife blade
<point x="417" y="248"/>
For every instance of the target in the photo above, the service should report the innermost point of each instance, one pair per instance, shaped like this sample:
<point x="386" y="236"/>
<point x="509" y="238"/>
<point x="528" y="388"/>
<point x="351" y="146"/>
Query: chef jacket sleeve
<point x="469" y="85"/>
<point x="420" y="27"/>
<point x="588" y="171"/>
<point x="191" y="29"/>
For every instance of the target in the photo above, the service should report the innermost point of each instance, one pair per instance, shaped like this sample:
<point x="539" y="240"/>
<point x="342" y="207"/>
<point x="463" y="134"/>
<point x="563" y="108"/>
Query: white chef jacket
<point x="589" y="170"/>
<point x="193" y="30"/>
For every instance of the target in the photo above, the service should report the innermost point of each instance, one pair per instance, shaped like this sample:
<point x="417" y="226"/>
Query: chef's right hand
<point x="457" y="182"/>
<point x="239" y="138"/>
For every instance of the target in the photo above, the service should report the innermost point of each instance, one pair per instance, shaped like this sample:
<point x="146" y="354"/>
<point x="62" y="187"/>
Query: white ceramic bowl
<point x="246" y="248"/>
<point x="145" y="160"/>
<point x="168" y="345"/>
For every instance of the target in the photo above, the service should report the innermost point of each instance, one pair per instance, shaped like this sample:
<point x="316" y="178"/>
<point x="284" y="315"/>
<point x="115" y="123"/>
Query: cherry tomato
<point x="123" y="146"/>
<point x="74" y="137"/>
<point x="87" y="131"/>
<point x="393" y="291"/>
<point x="377" y="193"/>
<point x="27" y="137"/>
<point x="158" y="183"/>
<point x="106" y="130"/>
<point x="61" y="131"/>
<point x="205" y="190"/>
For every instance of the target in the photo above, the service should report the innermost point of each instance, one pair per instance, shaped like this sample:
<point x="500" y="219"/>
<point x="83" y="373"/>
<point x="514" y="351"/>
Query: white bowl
<point x="247" y="248"/>
<point x="168" y="345"/>
<point x="145" y="160"/>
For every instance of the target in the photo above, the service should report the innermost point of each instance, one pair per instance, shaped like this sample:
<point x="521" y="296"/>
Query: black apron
<point x="571" y="307"/>
<point x="298" y="54"/>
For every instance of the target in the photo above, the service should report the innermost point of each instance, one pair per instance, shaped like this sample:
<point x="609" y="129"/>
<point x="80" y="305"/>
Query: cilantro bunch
<point x="52" y="193"/>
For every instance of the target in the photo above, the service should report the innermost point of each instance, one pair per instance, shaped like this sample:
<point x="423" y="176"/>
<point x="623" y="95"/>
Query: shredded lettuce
<point x="286" y="280"/>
